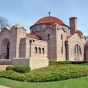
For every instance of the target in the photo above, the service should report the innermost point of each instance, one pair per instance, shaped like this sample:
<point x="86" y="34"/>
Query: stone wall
<point x="33" y="62"/>
<point x="71" y="43"/>
<point x="26" y="48"/>
<point x="52" y="53"/>
<point x="3" y="67"/>
<point x="61" y="53"/>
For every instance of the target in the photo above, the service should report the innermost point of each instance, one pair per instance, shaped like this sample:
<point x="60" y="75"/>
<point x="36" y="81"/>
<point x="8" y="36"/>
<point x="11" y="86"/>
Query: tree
<point x="3" y="22"/>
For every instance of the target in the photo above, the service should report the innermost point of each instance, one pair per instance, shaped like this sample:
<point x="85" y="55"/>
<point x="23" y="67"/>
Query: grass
<point x="71" y="83"/>
<point x="80" y="65"/>
<point x="60" y="67"/>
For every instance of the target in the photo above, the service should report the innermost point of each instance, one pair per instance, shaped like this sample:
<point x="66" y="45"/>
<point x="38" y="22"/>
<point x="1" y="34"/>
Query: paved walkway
<point x="3" y="87"/>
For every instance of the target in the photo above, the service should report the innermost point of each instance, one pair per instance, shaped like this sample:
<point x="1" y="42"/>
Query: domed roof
<point x="49" y="20"/>
<point x="79" y="32"/>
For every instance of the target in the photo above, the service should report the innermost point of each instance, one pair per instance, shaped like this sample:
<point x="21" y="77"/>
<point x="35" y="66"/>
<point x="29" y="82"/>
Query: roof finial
<point x="49" y="13"/>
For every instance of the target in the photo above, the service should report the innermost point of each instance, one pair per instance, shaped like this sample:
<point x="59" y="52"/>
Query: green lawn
<point x="80" y="65"/>
<point x="72" y="83"/>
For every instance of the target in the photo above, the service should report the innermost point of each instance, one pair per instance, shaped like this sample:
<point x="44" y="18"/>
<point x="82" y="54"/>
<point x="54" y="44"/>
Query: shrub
<point x="13" y="75"/>
<point x="67" y="62"/>
<point x="8" y="68"/>
<point x="79" y="62"/>
<point x="64" y="62"/>
<point x="51" y="73"/>
<point x="21" y="69"/>
<point x="59" y="62"/>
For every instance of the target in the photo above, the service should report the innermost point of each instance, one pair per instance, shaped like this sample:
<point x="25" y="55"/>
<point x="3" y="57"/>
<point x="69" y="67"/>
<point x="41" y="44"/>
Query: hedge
<point x="44" y="76"/>
<point x="8" y="68"/>
<point x="67" y="62"/>
<point x="19" y="68"/>
<point x="52" y="73"/>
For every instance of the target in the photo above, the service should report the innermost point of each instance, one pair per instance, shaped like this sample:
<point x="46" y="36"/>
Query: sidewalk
<point x="3" y="87"/>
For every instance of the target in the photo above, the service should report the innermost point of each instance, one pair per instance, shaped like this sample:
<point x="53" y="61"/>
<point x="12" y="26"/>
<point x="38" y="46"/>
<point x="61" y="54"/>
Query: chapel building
<point x="50" y="38"/>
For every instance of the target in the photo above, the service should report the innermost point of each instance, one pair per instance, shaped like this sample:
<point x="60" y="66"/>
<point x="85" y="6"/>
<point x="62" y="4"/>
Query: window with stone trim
<point x="43" y="51"/>
<point x="61" y="37"/>
<point x="33" y="29"/>
<point x="35" y="50"/>
<point x="77" y="49"/>
<point x="36" y="28"/>
<point x="48" y="36"/>
<point x="40" y="28"/>
<point x="39" y="50"/>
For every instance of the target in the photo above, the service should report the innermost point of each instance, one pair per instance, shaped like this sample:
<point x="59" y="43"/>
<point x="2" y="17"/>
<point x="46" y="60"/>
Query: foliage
<point x="71" y="83"/>
<point x="54" y="72"/>
<point x="60" y="62"/>
<point x="12" y="75"/>
<point x="19" y="68"/>
<point x="8" y="68"/>
<point x="68" y="62"/>
<point x="3" y="22"/>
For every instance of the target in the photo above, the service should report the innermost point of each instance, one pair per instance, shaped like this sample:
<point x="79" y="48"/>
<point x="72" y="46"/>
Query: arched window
<point x="33" y="29"/>
<point x="36" y="28"/>
<point x="61" y="36"/>
<point x="39" y="50"/>
<point x="48" y="36"/>
<point x="40" y="28"/>
<point x="43" y="51"/>
<point x="77" y="49"/>
<point x="35" y="50"/>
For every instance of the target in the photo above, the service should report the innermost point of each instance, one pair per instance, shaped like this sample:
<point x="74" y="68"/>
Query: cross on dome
<point x="49" y="13"/>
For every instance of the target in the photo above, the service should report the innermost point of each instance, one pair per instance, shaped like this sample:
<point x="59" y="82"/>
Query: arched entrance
<point x="5" y="48"/>
<point x="8" y="47"/>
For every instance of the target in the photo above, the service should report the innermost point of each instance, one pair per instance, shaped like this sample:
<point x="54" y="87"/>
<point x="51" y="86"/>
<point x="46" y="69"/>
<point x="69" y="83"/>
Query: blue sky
<point x="27" y="12"/>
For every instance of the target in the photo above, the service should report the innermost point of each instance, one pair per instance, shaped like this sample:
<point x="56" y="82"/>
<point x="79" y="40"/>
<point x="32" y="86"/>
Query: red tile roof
<point x="67" y="37"/>
<point x="49" y="20"/>
<point x="32" y="36"/>
<point x="79" y="32"/>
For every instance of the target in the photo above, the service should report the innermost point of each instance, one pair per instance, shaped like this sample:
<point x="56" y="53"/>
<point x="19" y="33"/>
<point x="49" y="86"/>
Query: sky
<point x="27" y="12"/>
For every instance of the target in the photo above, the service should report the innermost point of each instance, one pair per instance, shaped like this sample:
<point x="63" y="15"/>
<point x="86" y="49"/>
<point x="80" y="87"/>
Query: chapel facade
<point x="49" y="39"/>
<point x="64" y="42"/>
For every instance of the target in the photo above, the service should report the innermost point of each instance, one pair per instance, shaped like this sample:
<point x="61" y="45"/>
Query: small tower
<point x="17" y="32"/>
<point x="73" y="24"/>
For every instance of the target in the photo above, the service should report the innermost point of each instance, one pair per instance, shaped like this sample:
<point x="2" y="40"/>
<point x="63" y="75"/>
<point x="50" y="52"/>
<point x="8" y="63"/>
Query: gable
<point x="4" y="32"/>
<point x="75" y="39"/>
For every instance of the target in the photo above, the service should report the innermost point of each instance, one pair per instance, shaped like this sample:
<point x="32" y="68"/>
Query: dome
<point x="79" y="32"/>
<point x="49" y="20"/>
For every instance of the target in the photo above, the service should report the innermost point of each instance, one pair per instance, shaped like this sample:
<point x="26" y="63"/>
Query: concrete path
<point x="3" y="87"/>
